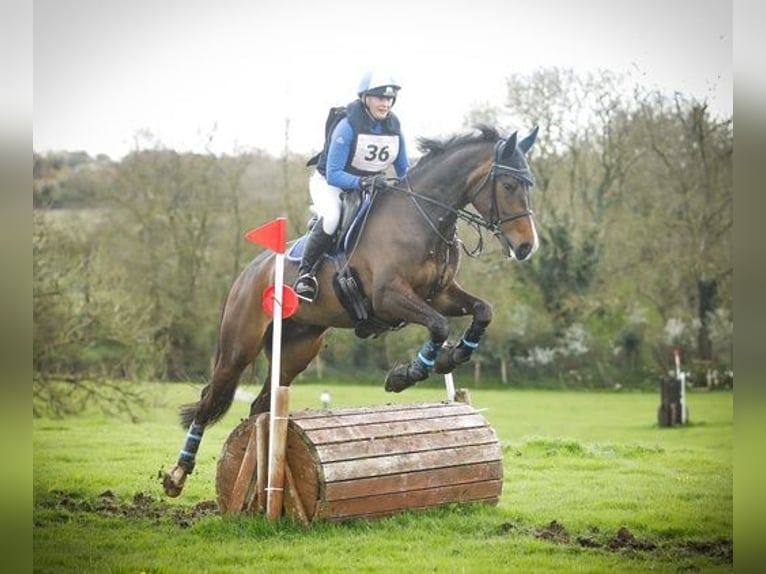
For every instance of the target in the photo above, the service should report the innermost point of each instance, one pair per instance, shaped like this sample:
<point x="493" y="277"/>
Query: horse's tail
<point x="216" y="408"/>
<point x="187" y="413"/>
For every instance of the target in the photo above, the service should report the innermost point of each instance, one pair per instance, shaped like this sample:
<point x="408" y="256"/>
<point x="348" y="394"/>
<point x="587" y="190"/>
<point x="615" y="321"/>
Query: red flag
<point x="289" y="301"/>
<point x="270" y="235"/>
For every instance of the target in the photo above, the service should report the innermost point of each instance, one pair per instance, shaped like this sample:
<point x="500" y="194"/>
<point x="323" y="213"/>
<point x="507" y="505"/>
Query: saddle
<point x="346" y="283"/>
<point x="348" y="288"/>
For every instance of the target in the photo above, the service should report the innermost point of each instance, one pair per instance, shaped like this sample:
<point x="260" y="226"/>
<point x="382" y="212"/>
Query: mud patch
<point x="720" y="550"/>
<point x="141" y="506"/>
<point x="554" y="532"/>
<point x="625" y="540"/>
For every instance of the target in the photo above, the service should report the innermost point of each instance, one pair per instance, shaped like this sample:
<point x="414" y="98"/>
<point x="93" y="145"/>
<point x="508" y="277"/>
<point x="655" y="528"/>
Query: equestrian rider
<point x="362" y="146"/>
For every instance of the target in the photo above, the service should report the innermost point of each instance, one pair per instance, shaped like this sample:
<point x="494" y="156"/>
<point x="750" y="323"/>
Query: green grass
<point x="578" y="467"/>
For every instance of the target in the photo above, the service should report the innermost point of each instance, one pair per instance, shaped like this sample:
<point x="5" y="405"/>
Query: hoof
<point x="397" y="379"/>
<point x="445" y="362"/>
<point x="450" y="357"/>
<point x="404" y="376"/>
<point x="173" y="482"/>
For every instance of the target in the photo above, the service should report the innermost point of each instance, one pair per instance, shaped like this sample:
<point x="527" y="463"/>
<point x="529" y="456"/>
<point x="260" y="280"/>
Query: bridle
<point x="476" y="221"/>
<point x="520" y="175"/>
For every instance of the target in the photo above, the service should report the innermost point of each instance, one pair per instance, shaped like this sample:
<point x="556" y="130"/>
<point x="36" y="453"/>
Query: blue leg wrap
<point x="468" y="344"/>
<point x="472" y="336"/>
<point x="427" y="354"/>
<point x="191" y="445"/>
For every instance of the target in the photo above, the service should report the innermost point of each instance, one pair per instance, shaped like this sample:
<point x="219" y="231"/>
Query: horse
<point x="404" y="262"/>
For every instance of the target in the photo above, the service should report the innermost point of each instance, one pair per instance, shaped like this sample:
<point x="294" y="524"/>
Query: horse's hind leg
<point x="215" y="399"/>
<point x="240" y="341"/>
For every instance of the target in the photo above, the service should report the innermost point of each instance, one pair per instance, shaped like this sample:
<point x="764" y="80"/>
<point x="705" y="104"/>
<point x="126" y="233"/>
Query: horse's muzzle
<point x="523" y="251"/>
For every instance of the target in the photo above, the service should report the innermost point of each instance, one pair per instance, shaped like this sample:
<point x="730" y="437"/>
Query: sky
<point x="225" y="75"/>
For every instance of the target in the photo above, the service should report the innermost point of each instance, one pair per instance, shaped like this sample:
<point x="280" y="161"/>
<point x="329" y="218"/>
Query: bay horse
<point x="405" y="261"/>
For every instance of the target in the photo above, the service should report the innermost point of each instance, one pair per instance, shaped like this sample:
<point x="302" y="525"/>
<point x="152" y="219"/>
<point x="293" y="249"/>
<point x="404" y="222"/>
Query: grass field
<point x="591" y="484"/>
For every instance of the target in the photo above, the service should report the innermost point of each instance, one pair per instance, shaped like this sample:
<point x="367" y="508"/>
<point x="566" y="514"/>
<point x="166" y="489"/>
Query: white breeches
<point x="326" y="202"/>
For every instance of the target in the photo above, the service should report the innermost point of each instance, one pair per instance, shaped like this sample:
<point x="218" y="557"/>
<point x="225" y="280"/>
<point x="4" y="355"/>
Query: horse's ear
<point x="527" y="142"/>
<point x="509" y="147"/>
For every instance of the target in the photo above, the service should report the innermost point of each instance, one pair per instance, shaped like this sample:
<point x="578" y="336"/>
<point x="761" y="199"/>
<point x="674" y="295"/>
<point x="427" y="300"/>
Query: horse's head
<point x="502" y="197"/>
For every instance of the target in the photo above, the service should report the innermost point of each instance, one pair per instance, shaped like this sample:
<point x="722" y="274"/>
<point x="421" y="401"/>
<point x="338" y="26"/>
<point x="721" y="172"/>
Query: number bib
<point x="374" y="153"/>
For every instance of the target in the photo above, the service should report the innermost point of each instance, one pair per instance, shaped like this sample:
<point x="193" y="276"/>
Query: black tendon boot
<point x="317" y="243"/>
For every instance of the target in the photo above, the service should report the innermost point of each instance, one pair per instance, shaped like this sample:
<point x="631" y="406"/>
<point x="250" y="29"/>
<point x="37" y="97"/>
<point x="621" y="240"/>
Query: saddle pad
<point x="295" y="251"/>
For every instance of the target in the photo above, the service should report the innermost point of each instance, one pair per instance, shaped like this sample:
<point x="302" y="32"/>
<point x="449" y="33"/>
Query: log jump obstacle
<point x="673" y="410"/>
<point x="365" y="462"/>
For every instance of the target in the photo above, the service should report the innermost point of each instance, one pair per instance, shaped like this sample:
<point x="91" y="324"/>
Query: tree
<point x="693" y="208"/>
<point x="164" y="208"/>
<point x="633" y="201"/>
<point x="581" y="162"/>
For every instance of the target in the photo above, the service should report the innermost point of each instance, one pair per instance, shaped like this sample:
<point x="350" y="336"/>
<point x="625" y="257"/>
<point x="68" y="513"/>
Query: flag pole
<point x="278" y="401"/>
<point x="278" y="404"/>
<point x="272" y="236"/>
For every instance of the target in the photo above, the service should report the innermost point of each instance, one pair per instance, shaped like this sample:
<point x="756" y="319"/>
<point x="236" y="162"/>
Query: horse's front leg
<point x="456" y="302"/>
<point x="404" y="304"/>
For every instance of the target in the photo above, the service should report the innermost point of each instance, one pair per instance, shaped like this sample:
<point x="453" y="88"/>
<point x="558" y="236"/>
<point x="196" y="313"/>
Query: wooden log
<point x="230" y="461"/>
<point x="372" y="461"/>
<point x="377" y="460"/>
<point x="293" y="504"/>
<point x="244" y="478"/>
<point x="262" y="460"/>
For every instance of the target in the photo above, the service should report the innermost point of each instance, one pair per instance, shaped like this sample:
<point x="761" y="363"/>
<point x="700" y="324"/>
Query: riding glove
<point x="369" y="182"/>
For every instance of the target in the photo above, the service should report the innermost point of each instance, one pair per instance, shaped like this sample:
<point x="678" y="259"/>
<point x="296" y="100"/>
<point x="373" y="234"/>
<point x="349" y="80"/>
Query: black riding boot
<point x="317" y="243"/>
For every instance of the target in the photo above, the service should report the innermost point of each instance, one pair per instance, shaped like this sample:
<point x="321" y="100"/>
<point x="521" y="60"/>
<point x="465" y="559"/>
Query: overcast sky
<point x="185" y="69"/>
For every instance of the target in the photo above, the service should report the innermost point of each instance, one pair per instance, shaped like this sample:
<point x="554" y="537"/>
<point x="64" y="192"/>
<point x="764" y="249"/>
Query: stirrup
<point x="306" y="287"/>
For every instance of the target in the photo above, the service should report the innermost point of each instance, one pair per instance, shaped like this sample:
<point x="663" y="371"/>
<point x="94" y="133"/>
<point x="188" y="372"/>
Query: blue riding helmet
<point x="377" y="84"/>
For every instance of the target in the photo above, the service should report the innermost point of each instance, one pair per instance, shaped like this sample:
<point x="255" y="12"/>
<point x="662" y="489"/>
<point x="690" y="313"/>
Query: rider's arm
<point x="338" y="155"/>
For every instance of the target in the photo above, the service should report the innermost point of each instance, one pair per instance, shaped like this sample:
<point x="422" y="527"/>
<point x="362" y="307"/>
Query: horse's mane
<point x="435" y="147"/>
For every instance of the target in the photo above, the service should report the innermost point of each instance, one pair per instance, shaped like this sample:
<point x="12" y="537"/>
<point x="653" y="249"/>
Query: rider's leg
<point x="317" y="243"/>
<point x="327" y="204"/>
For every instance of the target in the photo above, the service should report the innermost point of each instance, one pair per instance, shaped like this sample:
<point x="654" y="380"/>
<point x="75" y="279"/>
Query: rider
<point x="362" y="146"/>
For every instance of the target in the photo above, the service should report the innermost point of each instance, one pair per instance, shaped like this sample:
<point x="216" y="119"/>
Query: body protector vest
<point x="375" y="145"/>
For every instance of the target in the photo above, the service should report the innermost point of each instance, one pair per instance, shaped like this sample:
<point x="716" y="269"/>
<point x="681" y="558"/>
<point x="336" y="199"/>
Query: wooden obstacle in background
<point x="365" y="462"/>
<point x="672" y="411"/>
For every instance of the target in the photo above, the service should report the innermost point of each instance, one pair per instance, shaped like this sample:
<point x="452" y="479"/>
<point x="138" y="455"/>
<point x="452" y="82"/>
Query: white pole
<point x="450" y="384"/>
<point x="683" y="398"/>
<point x="276" y="363"/>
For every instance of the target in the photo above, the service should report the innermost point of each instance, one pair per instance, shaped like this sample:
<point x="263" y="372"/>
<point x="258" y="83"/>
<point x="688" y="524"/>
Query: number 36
<point x="376" y="153"/>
